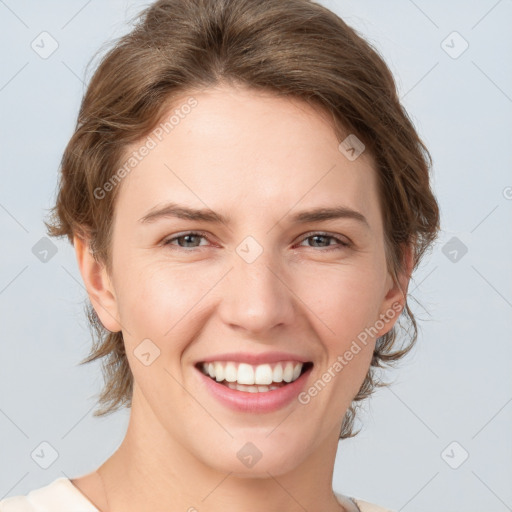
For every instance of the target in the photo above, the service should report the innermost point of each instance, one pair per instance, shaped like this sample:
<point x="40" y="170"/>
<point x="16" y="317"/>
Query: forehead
<point x="244" y="150"/>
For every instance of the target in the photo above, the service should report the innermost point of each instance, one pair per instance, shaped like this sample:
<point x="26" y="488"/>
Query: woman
<point x="247" y="200"/>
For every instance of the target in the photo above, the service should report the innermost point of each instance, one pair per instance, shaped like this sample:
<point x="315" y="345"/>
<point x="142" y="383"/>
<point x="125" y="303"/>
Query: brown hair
<point x="293" y="48"/>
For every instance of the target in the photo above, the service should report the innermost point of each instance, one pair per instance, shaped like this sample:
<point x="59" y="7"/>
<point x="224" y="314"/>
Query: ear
<point x="98" y="285"/>
<point x="396" y="292"/>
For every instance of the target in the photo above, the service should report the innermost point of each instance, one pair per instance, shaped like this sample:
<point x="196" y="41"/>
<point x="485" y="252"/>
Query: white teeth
<point x="259" y="377"/>
<point x="251" y="389"/>
<point x="288" y="372"/>
<point x="219" y="372"/>
<point x="263" y="374"/>
<point x="296" y="371"/>
<point x="277" y="376"/>
<point x="245" y="374"/>
<point x="230" y="373"/>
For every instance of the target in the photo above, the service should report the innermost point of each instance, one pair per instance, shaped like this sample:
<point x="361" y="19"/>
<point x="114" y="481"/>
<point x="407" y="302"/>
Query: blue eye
<point x="326" y="237"/>
<point x="321" y="238"/>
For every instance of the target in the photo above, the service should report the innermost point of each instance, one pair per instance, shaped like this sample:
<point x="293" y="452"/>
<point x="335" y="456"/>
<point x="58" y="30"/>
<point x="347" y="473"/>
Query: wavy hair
<point x="292" y="48"/>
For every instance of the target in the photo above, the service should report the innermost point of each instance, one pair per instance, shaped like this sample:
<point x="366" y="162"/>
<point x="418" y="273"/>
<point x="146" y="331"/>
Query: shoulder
<point x="57" y="496"/>
<point x="16" y="504"/>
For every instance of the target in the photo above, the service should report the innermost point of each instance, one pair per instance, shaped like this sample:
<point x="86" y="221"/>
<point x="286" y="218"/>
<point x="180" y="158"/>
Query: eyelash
<point x="341" y="243"/>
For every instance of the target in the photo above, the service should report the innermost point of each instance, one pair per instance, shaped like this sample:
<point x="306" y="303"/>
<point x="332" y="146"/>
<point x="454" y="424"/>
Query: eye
<point x="190" y="238"/>
<point x="324" y="238"/>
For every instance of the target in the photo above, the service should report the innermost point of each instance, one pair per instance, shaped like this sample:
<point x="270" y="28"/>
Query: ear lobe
<point x="396" y="296"/>
<point x="98" y="285"/>
<point x="405" y="276"/>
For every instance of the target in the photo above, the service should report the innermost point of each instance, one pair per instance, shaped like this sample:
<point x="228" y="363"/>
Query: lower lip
<point x="265" y="401"/>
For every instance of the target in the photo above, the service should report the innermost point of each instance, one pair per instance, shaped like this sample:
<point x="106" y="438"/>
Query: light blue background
<point x="457" y="385"/>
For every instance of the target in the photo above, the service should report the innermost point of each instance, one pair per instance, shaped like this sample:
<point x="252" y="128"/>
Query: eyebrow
<point x="174" y="210"/>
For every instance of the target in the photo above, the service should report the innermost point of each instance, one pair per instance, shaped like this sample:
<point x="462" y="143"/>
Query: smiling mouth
<point x="253" y="378"/>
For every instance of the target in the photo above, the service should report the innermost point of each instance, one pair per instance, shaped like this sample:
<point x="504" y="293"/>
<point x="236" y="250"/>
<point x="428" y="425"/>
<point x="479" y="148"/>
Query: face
<point x="268" y="292"/>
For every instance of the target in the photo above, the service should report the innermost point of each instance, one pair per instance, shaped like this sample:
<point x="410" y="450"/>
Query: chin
<point x="258" y="457"/>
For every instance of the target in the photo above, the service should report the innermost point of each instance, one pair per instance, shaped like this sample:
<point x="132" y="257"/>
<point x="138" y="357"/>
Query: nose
<point x="257" y="296"/>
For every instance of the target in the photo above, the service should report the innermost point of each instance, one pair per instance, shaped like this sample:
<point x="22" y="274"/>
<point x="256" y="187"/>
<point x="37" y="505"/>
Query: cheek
<point x="157" y="312"/>
<point x="345" y="300"/>
<point x="158" y="303"/>
<point x="159" y="300"/>
<point x="345" y="304"/>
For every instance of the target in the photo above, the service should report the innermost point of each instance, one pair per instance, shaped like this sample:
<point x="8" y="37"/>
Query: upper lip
<point x="265" y="357"/>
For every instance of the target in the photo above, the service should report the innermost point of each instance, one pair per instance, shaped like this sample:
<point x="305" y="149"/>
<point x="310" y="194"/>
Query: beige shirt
<point x="62" y="496"/>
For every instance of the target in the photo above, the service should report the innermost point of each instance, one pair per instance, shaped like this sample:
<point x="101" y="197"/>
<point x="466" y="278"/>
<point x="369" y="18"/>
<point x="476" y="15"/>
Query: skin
<point x="279" y="156"/>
